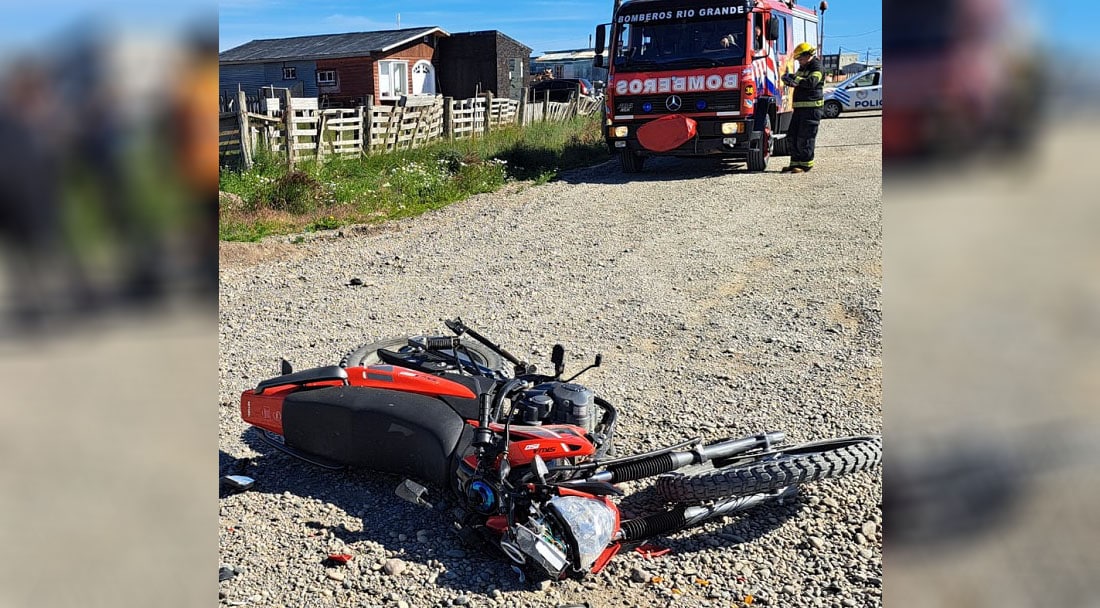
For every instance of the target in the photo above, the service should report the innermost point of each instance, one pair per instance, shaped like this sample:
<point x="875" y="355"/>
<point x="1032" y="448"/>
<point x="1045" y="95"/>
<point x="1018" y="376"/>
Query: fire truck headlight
<point x="620" y="131"/>
<point x="729" y="128"/>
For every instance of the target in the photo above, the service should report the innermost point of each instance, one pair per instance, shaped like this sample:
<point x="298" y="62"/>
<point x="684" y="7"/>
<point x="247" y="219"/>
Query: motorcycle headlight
<point x="591" y="523"/>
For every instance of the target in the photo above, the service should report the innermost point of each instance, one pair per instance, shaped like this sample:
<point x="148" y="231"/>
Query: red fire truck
<point x="700" y="77"/>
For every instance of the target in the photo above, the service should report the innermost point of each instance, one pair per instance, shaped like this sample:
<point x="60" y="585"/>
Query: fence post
<point x="546" y="105"/>
<point x="368" y="121"/>
<point x="320" y="151"/>
<point x="521" y="111"/>
<point x="288" y="114"/>
<point x="449" y="117"/>
<point x="246" y="132"/>
<point x="488" y="111"/>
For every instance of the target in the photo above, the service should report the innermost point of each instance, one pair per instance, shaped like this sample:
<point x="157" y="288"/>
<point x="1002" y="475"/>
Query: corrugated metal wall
<point x="251" y="77"/>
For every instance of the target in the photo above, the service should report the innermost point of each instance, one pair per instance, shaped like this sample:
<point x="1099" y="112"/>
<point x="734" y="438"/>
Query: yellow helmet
<point x="803" y="48"/>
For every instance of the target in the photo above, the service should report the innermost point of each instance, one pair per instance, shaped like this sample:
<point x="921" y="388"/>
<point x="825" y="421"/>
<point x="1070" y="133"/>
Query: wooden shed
<point x="472" y="63"/>
<point x="339" y="69"/>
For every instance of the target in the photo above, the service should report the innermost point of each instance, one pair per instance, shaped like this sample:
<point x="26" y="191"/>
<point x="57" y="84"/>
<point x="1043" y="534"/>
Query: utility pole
<point x="867" y="57"/>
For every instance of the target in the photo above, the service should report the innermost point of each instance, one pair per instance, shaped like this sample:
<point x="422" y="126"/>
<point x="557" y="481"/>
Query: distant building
<point x="472" y="63"/>
<point x="841" y="64"/>
<point x="575" y="63"/>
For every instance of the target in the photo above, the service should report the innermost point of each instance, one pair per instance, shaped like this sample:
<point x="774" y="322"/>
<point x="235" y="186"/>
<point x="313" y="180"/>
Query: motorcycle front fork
<point x="686" y="516"/>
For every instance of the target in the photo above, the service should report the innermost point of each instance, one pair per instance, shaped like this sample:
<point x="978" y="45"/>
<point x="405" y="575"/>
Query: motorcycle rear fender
<point x="390" y="431"/>
<point x="266" y="410"/>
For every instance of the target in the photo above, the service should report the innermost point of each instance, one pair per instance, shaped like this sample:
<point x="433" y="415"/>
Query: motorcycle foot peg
<point x="413" y="492"/>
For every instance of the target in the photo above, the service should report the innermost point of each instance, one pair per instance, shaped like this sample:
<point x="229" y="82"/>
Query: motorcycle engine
<point x="560" y="403"/>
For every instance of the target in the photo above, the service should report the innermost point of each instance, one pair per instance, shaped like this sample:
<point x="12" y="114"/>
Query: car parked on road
<point x="561" y="89"/>
<point x="863" y="91"/>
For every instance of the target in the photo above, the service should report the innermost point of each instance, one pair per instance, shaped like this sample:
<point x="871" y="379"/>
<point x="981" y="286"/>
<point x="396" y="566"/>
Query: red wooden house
<point x="339" y="69"/>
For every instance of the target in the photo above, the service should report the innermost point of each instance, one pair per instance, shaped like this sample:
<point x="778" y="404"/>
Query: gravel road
<point x="724" y="303"/>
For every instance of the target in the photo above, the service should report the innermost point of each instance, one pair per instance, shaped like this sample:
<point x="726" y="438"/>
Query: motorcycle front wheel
<point x="367" y="354"/>
<point x="772" y="470"/>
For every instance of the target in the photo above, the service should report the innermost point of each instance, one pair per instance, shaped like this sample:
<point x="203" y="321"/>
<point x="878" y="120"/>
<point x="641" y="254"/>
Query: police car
<point x="863" y="91"/>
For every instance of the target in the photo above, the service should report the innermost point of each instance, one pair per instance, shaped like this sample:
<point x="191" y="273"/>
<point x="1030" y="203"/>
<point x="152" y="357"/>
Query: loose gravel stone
<point x="640" y="576"/>
<point x="393" y="567"/>
<point x="724" y="303"/>
<point x="869" y="529"/>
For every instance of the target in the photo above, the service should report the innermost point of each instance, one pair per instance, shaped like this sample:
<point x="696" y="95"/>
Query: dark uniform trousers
<point x="803" y="134"/>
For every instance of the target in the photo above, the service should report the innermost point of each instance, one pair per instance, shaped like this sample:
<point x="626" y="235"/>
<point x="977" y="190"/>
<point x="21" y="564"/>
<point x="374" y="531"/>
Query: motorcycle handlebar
<point x="456" y="325"/>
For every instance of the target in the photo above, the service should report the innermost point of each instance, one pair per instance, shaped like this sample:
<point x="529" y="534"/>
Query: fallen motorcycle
<point x="528" y="457"/>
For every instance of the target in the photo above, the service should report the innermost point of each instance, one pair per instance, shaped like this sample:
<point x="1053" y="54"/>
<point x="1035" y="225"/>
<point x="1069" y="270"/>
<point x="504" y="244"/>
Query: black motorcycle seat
<point x="385" y="430"/>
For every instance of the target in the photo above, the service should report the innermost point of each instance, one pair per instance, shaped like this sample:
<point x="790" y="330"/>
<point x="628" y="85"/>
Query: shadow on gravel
<point x="853" y="115"/>
<point x="727" y="532"/>
<point x="370" y="497"/>
<point x="662" y="169"/>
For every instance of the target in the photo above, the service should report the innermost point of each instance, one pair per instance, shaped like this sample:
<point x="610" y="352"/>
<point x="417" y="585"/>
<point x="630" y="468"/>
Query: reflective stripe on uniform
<point x="809" y="104"/>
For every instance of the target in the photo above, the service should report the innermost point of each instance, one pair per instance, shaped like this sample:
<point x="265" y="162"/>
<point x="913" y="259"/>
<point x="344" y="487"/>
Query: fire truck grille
<point x="725" y="101"/>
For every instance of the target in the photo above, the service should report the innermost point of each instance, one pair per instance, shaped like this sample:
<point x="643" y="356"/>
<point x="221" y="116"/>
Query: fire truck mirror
<point x="601" y="35"/>
<point x="773" y="29"/>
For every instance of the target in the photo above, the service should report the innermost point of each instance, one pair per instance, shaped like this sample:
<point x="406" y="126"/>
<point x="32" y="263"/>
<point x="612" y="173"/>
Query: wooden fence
<point x="299" y="130"/>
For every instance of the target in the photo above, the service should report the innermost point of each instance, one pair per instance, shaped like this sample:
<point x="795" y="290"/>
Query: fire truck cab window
<point x="781" y="42"/>
<point x="680" y="43"/>
<point x="757" y="31"/>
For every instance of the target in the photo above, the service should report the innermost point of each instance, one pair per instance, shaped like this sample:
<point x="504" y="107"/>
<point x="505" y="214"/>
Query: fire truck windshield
<point x="680" y="44"/>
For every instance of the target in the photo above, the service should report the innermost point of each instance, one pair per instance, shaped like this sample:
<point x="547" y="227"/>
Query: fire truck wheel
<point x="832" y="109"/>
<point x="758" y="157"/>
<point x="631" y="162"/>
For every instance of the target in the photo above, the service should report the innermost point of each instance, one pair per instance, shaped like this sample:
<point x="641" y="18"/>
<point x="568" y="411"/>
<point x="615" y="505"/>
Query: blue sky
<point x="24" y="25"/>
<point x="544" y="25"/>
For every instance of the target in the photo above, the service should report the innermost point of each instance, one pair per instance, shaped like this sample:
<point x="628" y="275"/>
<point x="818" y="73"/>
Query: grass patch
<point x="270" y="199"/>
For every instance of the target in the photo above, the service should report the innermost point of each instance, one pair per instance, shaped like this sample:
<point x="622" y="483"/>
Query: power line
<point x="855" y="35"/>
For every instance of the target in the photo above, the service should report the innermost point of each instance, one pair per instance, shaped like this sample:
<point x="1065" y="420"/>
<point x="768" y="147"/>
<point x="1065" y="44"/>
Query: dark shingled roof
<point x="355" y="44"/>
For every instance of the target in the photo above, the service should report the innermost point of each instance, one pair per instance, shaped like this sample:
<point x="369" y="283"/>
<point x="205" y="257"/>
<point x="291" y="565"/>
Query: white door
<point x="423" y="78"/>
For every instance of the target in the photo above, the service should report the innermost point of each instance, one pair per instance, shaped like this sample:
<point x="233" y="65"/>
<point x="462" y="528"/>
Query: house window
<point x="326" y="77"/>
<point x="393" y="78"/>
<point x="290" y="73"/>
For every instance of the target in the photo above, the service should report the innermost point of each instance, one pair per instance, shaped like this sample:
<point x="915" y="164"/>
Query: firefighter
<point x="809" y="102"/>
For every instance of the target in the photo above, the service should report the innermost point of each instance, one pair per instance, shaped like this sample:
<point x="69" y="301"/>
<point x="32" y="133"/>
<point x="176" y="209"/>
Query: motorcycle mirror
<point x="557" y="357"/>
<point x="599" y="360"/>
<point x="285" y="367"/>
<point x="540" y="469"/>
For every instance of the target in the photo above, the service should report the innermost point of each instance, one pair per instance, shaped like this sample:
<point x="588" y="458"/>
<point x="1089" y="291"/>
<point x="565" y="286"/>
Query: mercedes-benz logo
<point x="673" y="103"/>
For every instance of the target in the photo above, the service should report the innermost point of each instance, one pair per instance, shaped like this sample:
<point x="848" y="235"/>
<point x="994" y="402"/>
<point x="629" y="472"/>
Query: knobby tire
<point x="767" y="472"/>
